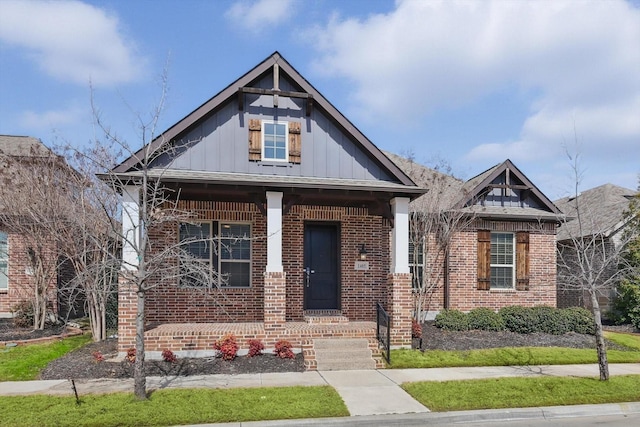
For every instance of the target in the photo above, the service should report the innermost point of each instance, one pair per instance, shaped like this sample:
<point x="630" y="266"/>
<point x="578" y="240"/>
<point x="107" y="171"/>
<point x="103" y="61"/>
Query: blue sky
<point x="472" y="83"/>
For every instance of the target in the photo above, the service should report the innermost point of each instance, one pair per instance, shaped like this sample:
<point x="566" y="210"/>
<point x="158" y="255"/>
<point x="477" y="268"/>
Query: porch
<point x="196" y="339"/>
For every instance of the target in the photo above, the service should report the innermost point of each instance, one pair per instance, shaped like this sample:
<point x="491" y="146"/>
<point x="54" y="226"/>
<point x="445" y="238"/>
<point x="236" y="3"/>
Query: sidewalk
<point x="366" y="393"/>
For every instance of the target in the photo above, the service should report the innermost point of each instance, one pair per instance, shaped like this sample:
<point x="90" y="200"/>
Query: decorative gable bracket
<point x="276" y="92"/>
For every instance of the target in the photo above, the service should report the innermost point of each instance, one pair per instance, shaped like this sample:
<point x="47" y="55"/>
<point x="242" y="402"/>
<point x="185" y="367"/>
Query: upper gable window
<point x="274" y="141"/>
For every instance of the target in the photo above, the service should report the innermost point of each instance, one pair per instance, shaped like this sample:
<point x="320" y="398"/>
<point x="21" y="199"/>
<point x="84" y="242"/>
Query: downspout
<point x="446" y="278"/>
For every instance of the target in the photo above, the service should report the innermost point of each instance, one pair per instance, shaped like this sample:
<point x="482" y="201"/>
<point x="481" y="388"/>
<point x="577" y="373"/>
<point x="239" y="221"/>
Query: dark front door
<point x="321" y="267"/>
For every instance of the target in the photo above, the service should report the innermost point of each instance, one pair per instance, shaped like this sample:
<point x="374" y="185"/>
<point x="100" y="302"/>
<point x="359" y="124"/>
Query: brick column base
<point x="275" y="300"/>
<point x="400" y="307"/>
<point x="127" y="306"/>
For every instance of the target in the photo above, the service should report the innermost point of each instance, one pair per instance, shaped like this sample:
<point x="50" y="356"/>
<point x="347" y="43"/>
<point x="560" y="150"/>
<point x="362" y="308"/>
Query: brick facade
<point x="20" y="284"/>
<point x="464" y="294"/>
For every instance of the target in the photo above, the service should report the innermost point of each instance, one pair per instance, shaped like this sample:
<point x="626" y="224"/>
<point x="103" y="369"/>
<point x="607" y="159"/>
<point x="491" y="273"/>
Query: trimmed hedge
<point x="522" y="320"/>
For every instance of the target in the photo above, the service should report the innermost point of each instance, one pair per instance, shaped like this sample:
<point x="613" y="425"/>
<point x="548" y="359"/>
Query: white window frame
<point x="215" y="253"/>
<point x="286" y="141"/>
<point x="511" y="266"/>
<point x="4" y="258"/>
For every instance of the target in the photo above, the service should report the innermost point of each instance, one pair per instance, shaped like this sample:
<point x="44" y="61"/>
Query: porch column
<point x="399" y="280"/>
<point x="275" y="287"/>
<point x="127" y="300"/>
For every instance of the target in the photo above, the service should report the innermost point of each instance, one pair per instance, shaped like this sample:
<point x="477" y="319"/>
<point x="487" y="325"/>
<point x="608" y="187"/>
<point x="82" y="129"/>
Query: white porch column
<point x="130" y="226"/>
<point x="400" y="235"/>
<point x="274" y="231"/>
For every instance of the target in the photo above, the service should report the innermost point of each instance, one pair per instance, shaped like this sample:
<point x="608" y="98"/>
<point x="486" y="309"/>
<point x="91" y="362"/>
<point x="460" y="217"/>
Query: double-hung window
<point x="220" y="254"/>
<point x="502" y="260"/>
<point x="4" y="261"/>
<point x="274" y="141"/>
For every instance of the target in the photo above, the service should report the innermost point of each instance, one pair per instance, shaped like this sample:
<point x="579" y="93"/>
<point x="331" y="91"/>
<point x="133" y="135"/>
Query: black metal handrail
<point x="383" y="331"/>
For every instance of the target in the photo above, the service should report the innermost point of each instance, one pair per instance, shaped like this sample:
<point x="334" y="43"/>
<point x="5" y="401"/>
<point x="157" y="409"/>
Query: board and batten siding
<point x="220" y="142"/>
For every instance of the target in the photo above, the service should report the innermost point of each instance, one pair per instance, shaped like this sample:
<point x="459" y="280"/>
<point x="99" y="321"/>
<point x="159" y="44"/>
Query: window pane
<point x="281" y="130"/>
<point x="275" y="141"/>
<point x="236" y="274"/>
<point x="3" y="275"/>
<point x="502" y="277"/>
<point x="235" y="243"/>
<point x="501" y="248"/>
<point x="199" y="245"/>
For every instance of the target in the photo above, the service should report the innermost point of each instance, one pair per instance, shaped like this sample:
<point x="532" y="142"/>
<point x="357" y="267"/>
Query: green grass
<point x="628" y="340"/>
<point x="25" y="362"/>
<point x="174" y="407"/>
<point x="523" y="392"/>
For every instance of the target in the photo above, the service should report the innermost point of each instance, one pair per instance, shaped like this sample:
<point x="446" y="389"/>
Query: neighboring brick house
<point x="502" y="250"/>
<point x="16" y="279"/>
<point x="601" y="220"/>
<point x="326" y="211"/>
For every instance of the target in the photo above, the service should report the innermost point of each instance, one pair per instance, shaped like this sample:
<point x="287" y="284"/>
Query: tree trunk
<point x="603" y="364"/>
<point x="139" y="378"/>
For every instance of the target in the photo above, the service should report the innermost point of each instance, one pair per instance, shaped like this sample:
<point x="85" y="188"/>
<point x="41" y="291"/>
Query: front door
<point x="321" y="277"/>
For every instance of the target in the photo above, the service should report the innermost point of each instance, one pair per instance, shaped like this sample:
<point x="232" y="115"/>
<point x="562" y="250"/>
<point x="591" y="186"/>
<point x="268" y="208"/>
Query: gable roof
<point x="454" y="193"/>
<point x="232" y="91"/>
<point x="601" y="211"/>
<point x="23" y="146"/>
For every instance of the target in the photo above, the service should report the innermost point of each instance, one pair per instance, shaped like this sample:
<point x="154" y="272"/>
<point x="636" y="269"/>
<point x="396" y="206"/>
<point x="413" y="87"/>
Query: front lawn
<point x="523" y="392"/>
<point x="509" y="356"/>
<point x="24" y="362"/>
<point x="174" y="407"/>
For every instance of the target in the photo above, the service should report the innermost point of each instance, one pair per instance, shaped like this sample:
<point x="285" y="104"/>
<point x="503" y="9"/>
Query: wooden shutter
<point x="484" y="260"/>
<point x="295" y="142"/>
<point x="255" y="140"/>
<point x="522" y="261"/>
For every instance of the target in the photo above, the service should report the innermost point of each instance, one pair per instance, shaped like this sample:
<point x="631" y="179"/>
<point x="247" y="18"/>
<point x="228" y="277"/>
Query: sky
<point x="467" y="83"/>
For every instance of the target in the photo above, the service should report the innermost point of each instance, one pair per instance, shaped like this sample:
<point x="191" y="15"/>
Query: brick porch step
<point x="325" y="317"/>
<point x="343" y="354"/>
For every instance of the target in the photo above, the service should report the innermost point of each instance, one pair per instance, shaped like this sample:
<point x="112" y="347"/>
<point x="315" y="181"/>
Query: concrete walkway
<point x="365" y="393"/>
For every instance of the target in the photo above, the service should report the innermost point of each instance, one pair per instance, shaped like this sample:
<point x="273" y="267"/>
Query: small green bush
<point x="550" y="320"/>
<point x="452" y="320"/>
<point x="579" y="320"/>
<point x="626" y="306"/>
<point x="485" y="319"/>
<point x="518" y="319"/>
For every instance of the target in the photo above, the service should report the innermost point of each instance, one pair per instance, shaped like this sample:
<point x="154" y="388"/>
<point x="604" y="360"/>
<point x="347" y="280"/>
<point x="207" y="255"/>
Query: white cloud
<point x="70" y="40"/>
<point x="261" y="14"/>
<point x="50" y="119"/>
<point x="581" y="59"/>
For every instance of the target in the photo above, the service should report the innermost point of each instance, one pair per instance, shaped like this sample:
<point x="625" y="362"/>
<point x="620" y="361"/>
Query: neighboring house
<point x="326" y="211"/>
<point x="16" y="278"/>
<point x="601" y="220"/>
<point x="501" y="250"/>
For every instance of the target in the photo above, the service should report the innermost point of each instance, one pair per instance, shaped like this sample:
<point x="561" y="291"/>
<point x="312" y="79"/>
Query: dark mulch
<point x="434" y="338"/>
<point x="10" y="332"/>
<point x="82" y="364"/>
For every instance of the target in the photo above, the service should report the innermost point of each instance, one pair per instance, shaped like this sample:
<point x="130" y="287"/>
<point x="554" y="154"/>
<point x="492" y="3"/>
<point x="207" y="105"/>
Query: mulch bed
<point x="81" y="363"/>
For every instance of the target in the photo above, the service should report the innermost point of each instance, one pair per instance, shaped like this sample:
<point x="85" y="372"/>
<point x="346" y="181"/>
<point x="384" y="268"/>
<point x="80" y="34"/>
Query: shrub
<point x="255" y="348"/>
<point x="283" y="350"/>
<point x="416" y="329"/>
<point x="227" y="347"/>
<point x="550" y="320"/>
<point x="97" y="356"/>
<point x="23" y="314"/>
<point x="168" y="356"/>
<point x="626" y="306"/>
<point x="452" y="320"/>
<point x="131" y="355"/>
<point x="485" y="319"/>
<point x="579" y="320"/>
<point x="518" y="319"/>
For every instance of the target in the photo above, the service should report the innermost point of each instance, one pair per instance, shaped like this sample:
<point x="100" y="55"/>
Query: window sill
<point x="278" y="163"/>
<point x="501" y="290"/>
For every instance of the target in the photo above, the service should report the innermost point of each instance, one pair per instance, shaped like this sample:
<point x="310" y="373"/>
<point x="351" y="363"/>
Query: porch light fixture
<point x="362" y="253"/>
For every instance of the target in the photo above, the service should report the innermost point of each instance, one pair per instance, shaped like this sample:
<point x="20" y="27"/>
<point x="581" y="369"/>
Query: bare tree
<point x="591" y="255"/>
<point x="33" y="193"/>
<point x="435" y="219"/>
